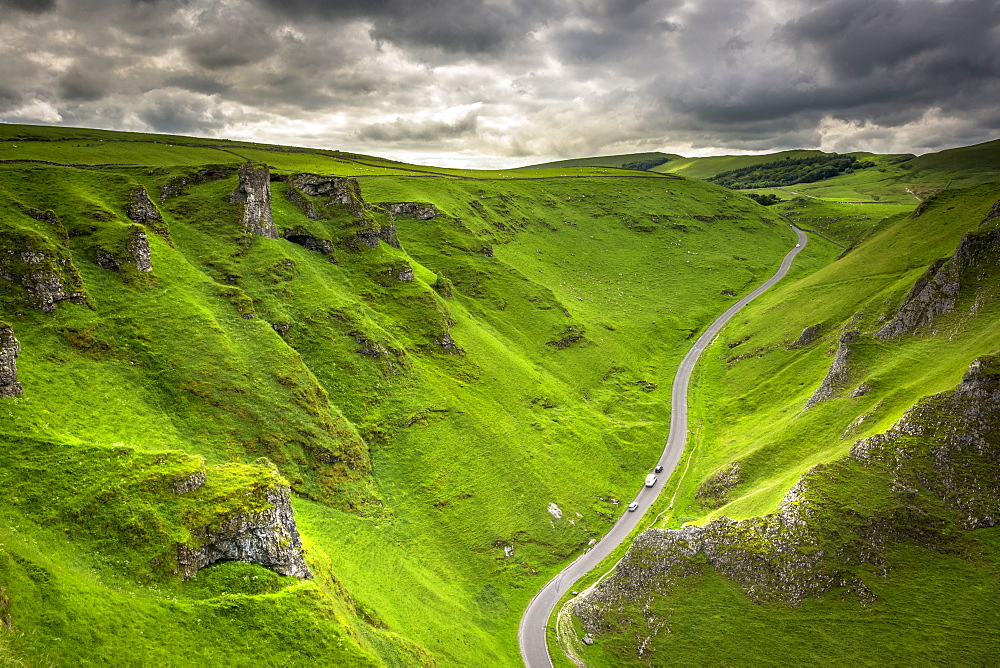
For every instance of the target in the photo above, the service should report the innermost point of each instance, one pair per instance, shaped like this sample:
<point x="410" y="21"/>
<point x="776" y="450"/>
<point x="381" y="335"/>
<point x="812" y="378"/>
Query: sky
<point x="502" y="83"/>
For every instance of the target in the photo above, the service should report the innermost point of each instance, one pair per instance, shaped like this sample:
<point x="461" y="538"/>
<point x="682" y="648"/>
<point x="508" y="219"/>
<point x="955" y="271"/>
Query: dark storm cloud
<point x="32" y="6"/>
<point x="228" y="46"/>
<point x="454" y="26"/>
<point x="542" y="77"/>
<point x="81" y="85"/>
<point x="175" y="112"/>
<point x="418" y="132"/>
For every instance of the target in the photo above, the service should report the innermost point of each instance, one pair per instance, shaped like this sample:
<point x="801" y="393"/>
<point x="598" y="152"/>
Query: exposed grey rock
<point x="839" y="374"/>
<point x="254" y="193"/>
<point x="487" y="251"/>
<point x="10" y="348"/>
<point x="448" y="344"/>
<point x="388" y="235"/>
<point x="141" y="210"/>
<point x="189" y="483"/>
<point x="136" y="252"/>
<point x="369" y="237"/>
<point x="309" y="242"/>
<point x="268" y="537"/>
<point x="405" y="274"/>
<point x="959" y="432"/>
<point x="106" y="260"/>
<point x="418" y="210"/>
<point x="808" y="335"/>
<point x="938" y="290"/>
<point x="137" y="246"/>
<point x="46" y="275"/>
<point x="338" y="189"/>
<point x="862" y="390"/>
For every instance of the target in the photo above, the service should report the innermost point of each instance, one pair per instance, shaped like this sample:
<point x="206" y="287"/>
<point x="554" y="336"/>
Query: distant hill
<point x="703" y="168"/>
<point x="960" y="167"/>
<point x="610" y="161"/>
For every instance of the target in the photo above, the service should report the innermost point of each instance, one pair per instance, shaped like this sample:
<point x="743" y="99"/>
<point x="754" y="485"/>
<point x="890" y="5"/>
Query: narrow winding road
<point x="531" y="634"/>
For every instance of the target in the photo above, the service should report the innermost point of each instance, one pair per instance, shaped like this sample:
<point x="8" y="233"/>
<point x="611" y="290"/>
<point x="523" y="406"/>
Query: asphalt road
<point x="531" y="634"/>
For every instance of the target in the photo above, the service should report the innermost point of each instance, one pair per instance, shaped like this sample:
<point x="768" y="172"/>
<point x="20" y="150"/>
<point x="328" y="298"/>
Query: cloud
<point x="410" y="132"/>
<point x="180" y="112"/>
<point x="229" y="46"/>
<point x="31" y="6"/>
<point x="531" y="79"/>
<point x="453" y="26"/>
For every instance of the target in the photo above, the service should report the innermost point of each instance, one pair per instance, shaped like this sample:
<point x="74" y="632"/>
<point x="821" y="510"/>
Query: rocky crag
<point x="839" y="375"/>
<point x="267" y="537"/>
<point x="254" y="193"/>
<point x="947" y="281"/>
<point x="937" y="472"/>
<point x="134" y="253"/>
<point x="44" y="273"/>
<point x="9" y="350"/>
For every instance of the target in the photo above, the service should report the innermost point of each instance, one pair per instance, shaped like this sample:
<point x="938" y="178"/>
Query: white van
<point x="650" y="480"/>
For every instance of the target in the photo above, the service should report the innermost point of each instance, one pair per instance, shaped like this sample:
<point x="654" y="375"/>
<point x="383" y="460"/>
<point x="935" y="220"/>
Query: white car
<point x="632" y="506"/>
<point x="650" y="480"/>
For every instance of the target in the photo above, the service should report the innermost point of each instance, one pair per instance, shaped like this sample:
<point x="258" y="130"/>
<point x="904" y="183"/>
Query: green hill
<point x="450" y="377"/>
<point x="621" y="161"/>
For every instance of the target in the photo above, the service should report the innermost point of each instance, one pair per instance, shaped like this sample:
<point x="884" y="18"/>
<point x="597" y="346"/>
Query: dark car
<point x="658" y="469"/>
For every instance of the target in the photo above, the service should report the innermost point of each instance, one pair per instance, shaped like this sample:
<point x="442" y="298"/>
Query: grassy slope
<point x="605" y="160"/>
<point x="750" y="410"/>
<point x="462" y="449"/>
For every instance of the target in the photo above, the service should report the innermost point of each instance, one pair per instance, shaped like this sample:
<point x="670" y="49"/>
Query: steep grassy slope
<point x="456" y="389"/>
<point x="810" y="369"/>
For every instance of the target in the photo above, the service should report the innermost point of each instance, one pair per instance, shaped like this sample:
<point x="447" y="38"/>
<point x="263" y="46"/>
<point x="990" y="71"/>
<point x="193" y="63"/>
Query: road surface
<point x="531" y="634"/>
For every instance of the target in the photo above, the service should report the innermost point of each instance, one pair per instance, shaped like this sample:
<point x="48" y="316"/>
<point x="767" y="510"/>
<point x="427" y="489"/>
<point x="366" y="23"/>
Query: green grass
<point x="607" y="160"/>
<point x="416" y="471"/>
<point x="934" y="608"/>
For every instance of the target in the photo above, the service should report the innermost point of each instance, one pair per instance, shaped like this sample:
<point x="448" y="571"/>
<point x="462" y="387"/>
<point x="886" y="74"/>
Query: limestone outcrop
<point x="839" y="374"/>
<point x="418" y="210"/>
<point x="141" y="210"/>
<point x="301" y="237"/>
<point x="336" y="189"/>
<point x="267" y="537"/>
<point x="808" y="335"/>
<point x="939" y="289"/>
<point x="254" y="193"/>
<point x="331" y="190"/>
<point x="10" y="348"/>
<point x="134" y="253"/>
<point x="44" y="273"/>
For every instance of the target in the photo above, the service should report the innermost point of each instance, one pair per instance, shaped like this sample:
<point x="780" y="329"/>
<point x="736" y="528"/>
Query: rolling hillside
<point x="438" y="383"/>
<point x="861" y="388"/>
